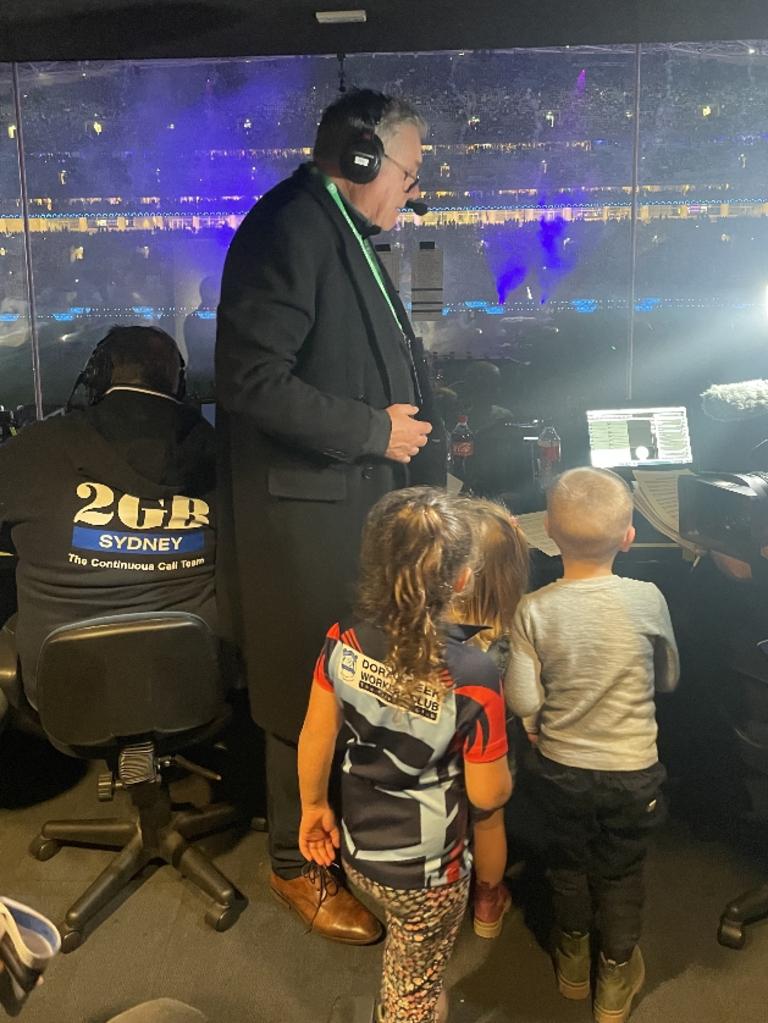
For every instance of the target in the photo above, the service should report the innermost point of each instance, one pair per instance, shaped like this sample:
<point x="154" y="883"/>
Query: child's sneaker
<point x="489" y="904"/>
<point x="572" y="964"/>
<point x="441" y="1011"/>
<point x="617" y="985"/>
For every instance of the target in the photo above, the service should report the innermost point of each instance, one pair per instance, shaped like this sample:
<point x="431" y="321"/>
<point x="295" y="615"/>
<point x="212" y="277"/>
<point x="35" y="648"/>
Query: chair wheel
<point x="44" y="848"/>
<point x="106" y="787"/>
<point x="70" y="939"/>
<point x="731" y="934"/>
<point x="221" y="918"/>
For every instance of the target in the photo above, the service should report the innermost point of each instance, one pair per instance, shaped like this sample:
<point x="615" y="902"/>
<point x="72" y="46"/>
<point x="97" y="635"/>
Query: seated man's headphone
<point x="360" y="159"/>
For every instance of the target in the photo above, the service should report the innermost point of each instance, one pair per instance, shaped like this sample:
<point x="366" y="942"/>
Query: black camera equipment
<point x="727" y="512"/>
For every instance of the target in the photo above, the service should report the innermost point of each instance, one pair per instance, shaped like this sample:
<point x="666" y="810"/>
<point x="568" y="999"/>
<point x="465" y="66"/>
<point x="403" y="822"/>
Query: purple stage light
<point x="509" y="279"/>
<point x="550" y="232"/>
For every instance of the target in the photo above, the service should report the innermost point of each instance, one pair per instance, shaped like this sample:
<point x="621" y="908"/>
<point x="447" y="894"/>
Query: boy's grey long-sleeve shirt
<point x="586" y="656"/>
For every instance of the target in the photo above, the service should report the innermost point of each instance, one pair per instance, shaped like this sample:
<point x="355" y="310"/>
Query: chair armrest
<point x="10" y="683"/>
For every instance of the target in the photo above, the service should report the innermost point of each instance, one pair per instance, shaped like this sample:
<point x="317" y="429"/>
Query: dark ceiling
<point x="92" y="29"/>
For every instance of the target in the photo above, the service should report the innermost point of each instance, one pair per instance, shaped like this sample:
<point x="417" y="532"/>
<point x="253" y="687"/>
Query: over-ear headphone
<point x="96" y="375"/>
<point x="360" y="159"/>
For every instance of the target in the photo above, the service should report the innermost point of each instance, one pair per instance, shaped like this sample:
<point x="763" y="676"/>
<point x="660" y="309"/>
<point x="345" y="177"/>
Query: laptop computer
<point x="630" y="437"/>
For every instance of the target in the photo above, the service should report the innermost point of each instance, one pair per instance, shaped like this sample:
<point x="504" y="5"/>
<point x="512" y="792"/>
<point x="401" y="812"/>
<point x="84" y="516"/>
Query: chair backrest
<point x="104" y="681"/>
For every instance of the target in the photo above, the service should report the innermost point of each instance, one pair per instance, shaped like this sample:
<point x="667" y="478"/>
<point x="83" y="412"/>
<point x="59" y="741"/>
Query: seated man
<point x="110" y="508"/>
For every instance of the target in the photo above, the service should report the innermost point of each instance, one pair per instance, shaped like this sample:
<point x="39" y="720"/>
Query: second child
<point x="500" y="580"/>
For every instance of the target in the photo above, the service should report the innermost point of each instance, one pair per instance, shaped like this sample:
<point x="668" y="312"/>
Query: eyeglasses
<point x="408" y="174"/>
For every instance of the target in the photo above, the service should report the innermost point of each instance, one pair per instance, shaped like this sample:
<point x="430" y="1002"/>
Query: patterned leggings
<point x="422" y="924"/>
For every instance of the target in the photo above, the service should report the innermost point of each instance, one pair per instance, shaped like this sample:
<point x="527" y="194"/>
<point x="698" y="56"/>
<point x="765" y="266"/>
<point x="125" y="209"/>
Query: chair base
<point x="156" y="833"/>
<point x="751" y="906"/>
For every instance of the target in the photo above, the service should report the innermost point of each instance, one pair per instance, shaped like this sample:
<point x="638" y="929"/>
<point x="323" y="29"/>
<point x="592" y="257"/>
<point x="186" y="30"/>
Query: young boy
<point x="587" y="653"/>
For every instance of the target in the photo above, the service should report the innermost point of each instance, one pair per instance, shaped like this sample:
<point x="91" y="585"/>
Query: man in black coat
<point x="324" y="405"/>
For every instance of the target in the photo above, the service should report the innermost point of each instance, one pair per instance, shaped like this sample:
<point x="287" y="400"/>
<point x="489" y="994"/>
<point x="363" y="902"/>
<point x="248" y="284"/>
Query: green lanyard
<point x="367" y="250"/>
<point x="373" y="263"/>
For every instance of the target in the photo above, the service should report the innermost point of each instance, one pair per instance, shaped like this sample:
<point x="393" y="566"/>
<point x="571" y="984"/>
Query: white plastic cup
<point x="28" y="942"/>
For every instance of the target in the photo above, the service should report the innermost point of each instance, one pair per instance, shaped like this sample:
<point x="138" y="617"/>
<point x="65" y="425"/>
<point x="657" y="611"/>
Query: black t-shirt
<point x="109" y="510"/>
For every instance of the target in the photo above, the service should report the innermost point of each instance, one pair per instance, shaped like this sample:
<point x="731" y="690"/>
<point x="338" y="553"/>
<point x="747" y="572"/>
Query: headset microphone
<point x="417" y="206"/>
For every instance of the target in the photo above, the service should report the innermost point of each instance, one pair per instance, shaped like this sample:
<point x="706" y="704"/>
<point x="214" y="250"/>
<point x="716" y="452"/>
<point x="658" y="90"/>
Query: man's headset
<point x="96" y="375"/>
<point x="360" y="159"/>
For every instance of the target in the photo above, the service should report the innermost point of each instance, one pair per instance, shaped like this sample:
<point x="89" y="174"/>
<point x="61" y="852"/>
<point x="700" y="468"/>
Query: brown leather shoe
<point x="326" y="907"/>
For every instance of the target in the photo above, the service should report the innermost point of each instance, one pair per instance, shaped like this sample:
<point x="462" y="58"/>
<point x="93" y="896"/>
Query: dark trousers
<point x="284" y="804"/>
<point x="283" y="807"/>
<point x="599" y="824"/>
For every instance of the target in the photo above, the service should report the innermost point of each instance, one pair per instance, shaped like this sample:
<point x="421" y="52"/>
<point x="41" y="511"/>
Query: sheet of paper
<point x="532" y="524"/>
<point x="657" y="490"/>
<point x="656" y="499"/>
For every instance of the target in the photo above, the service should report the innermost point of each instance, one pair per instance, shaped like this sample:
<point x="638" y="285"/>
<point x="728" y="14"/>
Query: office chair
<point x="135" y="690"/>
<point x="751" y="735"/>
<point x="501" y="464"/>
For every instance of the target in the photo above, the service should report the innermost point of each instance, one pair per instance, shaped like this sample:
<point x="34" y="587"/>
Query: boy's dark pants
<point x="599" y="824"/>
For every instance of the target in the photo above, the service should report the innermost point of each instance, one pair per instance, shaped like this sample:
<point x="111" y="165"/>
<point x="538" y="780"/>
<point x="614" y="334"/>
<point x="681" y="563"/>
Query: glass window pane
<point x="139" y="174"/>
<point x="16" y="382"/>
<point x="527" y="175"/>
<point x="138" y="177"/>
<point x="702" y="270"/>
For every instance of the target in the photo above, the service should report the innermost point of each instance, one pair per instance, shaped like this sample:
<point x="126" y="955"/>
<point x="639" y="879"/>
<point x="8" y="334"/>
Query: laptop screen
<point x="639" y="436"/>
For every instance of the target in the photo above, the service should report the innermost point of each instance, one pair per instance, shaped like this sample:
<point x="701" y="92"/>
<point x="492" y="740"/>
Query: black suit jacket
<point x="308" y="358"/>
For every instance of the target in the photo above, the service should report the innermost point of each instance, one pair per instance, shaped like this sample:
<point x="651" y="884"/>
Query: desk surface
<point x="647" y="537"/>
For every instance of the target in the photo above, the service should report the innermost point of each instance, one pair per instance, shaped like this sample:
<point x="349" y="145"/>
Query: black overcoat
<point x="308" y="357"/>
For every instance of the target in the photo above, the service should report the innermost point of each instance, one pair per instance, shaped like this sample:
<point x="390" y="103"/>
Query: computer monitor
<point x="639" y="436"/>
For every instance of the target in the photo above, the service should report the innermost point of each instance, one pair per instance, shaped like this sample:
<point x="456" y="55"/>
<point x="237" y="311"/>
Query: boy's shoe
<point x="617" y="985"/>
<point x="572" y="964"/>
<point x="489" y="904"/>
